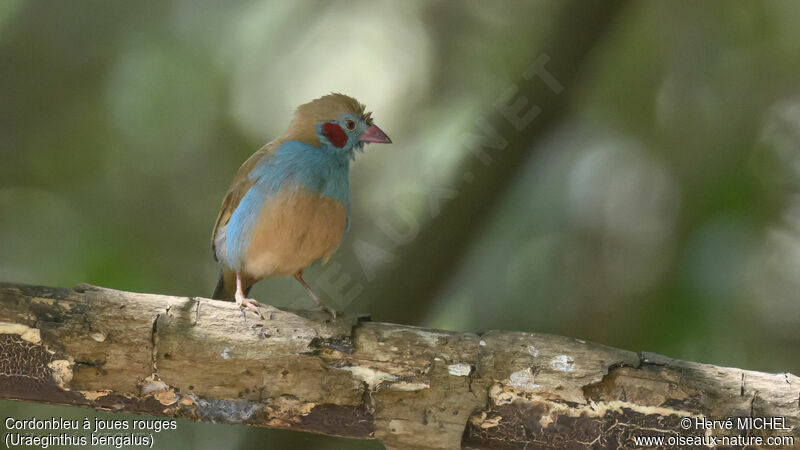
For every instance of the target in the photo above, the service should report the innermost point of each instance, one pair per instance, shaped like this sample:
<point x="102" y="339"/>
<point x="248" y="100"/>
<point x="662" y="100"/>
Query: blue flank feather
<point x="323" y="170"/>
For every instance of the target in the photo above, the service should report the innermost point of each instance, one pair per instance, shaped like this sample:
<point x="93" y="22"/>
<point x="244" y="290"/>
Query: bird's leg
<point x="242" y="301"/>
<point x="299" y="277"/>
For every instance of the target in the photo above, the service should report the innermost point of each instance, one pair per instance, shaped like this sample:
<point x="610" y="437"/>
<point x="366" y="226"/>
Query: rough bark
<point x="408" y="387"/>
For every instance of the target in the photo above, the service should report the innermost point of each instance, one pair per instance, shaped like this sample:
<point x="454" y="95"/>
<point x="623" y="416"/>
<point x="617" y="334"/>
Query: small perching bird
<point x="288" y="204"/>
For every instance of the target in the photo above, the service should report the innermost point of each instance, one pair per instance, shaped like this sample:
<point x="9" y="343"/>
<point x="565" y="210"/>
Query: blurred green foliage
<point x="663" y="214"/>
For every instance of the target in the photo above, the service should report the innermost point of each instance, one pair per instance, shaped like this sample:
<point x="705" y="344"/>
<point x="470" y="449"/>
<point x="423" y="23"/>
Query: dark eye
<point x="351" y="125"/>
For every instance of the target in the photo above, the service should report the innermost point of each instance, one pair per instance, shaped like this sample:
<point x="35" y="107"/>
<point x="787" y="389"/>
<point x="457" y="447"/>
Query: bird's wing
<point x="239" y="186"/>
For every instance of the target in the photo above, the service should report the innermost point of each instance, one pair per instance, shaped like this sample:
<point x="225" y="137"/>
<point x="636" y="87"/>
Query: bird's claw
<point x="328" y="310"/>
<point x="250" y="304"/>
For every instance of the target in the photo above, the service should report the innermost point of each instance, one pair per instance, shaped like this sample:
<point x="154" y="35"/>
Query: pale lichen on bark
<point x="406" y="386"/>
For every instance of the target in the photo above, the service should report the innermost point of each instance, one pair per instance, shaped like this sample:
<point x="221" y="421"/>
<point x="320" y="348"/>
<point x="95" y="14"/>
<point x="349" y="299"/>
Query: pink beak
<point x="374" y="134"/>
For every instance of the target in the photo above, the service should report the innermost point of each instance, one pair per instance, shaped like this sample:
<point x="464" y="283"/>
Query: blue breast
<point x="316" y="169"/>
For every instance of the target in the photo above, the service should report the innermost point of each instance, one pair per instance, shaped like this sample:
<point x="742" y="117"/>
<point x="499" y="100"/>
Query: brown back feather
<point x="239" y="186"/>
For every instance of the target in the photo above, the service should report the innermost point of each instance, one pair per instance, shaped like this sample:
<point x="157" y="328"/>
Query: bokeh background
<point x="659" y="211"/>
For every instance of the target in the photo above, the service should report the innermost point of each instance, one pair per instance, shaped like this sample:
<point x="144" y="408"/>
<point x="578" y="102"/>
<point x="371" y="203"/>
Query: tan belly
<point x="294" y="229"/>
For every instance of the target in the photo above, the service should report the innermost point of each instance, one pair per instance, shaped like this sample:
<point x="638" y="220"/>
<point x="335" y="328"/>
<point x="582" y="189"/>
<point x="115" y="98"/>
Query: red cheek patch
<point x="335" y="134"/>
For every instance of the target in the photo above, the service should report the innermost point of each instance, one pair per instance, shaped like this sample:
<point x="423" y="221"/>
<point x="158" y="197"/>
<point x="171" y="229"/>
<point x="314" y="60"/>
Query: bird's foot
<point x="250" y="304"/>
<point x="328" y="310"/>
<point x="299" y="277"/>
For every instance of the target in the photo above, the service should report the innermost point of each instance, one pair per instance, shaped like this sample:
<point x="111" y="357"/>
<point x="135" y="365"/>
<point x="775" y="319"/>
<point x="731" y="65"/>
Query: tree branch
<point x="408" y="387"/>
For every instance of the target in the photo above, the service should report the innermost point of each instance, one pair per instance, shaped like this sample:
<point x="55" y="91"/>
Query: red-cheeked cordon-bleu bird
<point x="288" y="205"/>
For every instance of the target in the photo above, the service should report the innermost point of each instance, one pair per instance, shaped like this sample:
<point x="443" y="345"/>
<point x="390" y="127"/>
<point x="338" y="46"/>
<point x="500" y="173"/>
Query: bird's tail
<point x="226" y="289"/>
<point x="226" y="286"/>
